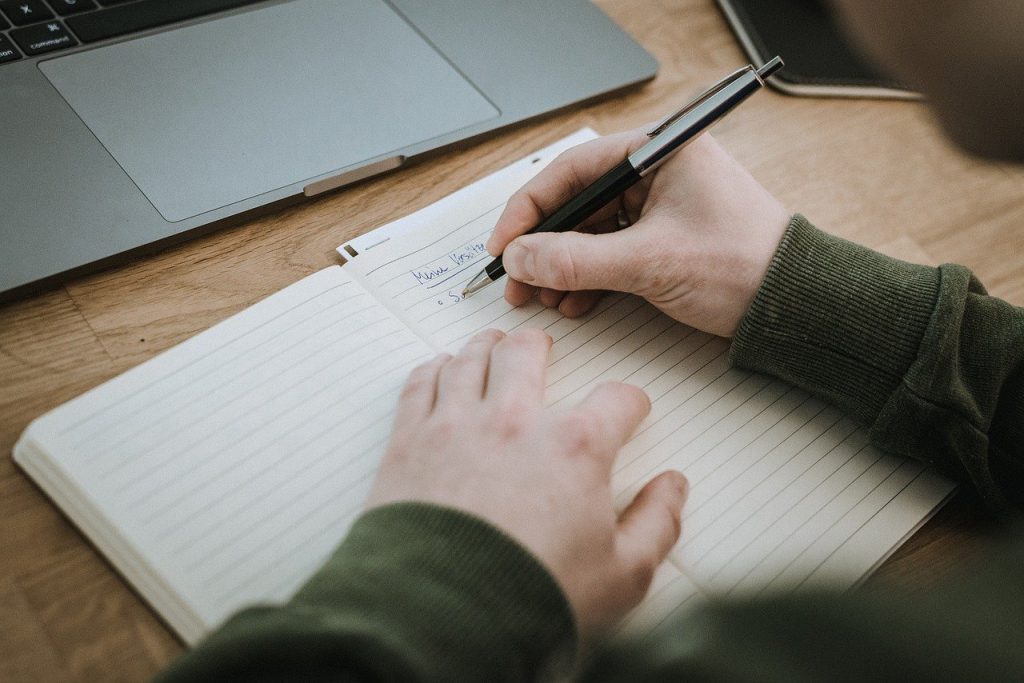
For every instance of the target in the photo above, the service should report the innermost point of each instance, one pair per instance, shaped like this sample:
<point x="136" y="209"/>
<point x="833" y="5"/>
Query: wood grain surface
<point x="877" y="172"/>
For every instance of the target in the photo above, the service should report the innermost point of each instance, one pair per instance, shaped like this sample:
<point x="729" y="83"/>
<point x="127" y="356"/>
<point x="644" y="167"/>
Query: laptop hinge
<point x="352" y="175"/>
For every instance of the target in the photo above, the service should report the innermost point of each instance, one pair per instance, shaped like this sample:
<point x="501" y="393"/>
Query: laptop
<point x="129" y="125"/>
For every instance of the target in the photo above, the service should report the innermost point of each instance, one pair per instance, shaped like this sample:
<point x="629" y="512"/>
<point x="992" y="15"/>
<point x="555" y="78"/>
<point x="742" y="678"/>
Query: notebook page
<point x="511" y="176"/>
<point x="670" y="595"/>
<point x="784" y="490"/>
<point x="234" y="463"/>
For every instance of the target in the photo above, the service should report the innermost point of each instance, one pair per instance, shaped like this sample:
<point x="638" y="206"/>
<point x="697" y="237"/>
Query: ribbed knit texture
<point x="415" y="592"/>
<point x="839" y="320"/>
<point x="921" y="356"/>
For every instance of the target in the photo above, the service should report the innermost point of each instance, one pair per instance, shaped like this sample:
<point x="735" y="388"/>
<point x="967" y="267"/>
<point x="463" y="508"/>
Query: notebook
<point x="224" y="471"/>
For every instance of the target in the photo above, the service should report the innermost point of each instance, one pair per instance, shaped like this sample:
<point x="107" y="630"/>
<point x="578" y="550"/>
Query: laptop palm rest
<point x="211" y="114"/>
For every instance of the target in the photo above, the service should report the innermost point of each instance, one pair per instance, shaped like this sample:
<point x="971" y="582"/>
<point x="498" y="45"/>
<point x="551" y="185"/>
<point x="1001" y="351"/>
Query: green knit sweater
<point x="921" y="355"/>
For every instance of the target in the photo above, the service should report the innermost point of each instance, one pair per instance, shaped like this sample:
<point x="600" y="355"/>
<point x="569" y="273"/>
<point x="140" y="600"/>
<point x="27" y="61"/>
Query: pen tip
<point x="481" y="280"/>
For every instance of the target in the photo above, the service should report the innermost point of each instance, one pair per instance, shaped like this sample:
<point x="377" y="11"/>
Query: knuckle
<point x="420" y="379"/>
<point x="443" y="428"/>
<point x="510" y="420"/>
<point x="461" y="365"/>
<point x="580" y="431"/>
<point x="562" y="266"/>
<point x="563" y="167"/>
<point x="415" y="385"/>
<point x="657" y="270"/>
<point x="519" y="198"/>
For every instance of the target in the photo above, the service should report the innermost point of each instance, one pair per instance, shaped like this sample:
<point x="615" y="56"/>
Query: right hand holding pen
<point x="702" y="234"/>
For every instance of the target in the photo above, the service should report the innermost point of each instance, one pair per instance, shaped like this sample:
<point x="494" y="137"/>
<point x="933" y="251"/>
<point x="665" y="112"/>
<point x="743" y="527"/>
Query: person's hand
<point x="703" y="233"/>
<point x="471" y="432"/>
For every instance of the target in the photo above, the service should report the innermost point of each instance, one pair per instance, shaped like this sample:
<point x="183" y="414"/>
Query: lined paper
<point x="781" y="485"/>
<point x="223" y="472"/>
<point x="235" y="463"/>
<point x="511" y="176"/>
<point x="671" y="593"/>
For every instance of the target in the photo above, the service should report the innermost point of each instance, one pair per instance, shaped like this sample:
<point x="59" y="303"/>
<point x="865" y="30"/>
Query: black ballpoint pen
<point x="669" y="136"/>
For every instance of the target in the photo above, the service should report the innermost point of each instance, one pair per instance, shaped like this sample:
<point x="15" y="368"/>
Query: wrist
<point x="449" y="587"/>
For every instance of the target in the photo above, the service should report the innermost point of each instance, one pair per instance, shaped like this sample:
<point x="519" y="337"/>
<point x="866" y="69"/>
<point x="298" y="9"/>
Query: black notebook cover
<point x="819" y="60"/>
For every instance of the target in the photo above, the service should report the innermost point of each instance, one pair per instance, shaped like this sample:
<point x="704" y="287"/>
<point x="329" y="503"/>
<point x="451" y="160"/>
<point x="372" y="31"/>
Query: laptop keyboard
<point x="34" y="27"/>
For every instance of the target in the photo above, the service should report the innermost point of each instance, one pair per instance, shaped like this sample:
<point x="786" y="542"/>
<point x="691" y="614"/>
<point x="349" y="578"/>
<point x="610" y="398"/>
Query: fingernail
<point x="489" y="334"/>
<point x="518" y="260"/>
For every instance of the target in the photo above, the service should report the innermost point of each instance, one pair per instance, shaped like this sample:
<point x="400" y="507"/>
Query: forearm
<point x="415" y="592"/>
<point x="933" y="366"/>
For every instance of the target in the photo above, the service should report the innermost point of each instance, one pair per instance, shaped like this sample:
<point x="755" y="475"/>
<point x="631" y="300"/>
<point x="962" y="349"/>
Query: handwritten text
<point x="451" y="262"/>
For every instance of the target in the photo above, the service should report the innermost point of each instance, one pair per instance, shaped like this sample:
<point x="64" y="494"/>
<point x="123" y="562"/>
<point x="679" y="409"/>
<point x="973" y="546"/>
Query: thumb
<point x="650" y="526"/>
<point x="571" y="261"/>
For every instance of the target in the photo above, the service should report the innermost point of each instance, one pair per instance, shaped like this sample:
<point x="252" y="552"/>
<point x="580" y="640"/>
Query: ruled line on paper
<point x="748" y="488"/>
<point x="230" y="497"/>
<point x="248" y="485"/>
<point x="236" y="370"/>
<point x="801" y="539"/>
<point x="104" y="406"/>
<point x="795" y="522"/>
<point x="728" y="532"/>
<point x="480" y="219"/>
<point x="777" y="492"/>
<point x="162" y="456"/>
<point x="919" y="471"/>
<point x="283" y="440"/>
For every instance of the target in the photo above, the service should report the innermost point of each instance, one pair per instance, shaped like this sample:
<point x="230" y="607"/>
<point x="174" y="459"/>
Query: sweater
<point x="922" y="356"/>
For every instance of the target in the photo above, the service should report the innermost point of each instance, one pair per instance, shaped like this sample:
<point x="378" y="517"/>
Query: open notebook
<point x="224" y="471"/>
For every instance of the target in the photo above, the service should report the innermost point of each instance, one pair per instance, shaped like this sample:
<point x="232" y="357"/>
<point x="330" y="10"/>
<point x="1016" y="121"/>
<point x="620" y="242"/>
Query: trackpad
<point x="208" y="115"/>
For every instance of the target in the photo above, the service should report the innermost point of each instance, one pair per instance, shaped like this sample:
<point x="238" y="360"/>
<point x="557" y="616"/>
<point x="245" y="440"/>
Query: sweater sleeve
<point x="414" y="593"/>
<point x="966" y="628"/>
<point x="923" y="357"/>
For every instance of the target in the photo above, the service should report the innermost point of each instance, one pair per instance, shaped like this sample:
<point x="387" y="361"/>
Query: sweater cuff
<point x="836" y="319"/>
<point x="464" y="600"/>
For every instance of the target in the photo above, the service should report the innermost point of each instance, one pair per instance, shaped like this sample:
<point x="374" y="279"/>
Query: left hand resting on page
<point x="472" y="433"/>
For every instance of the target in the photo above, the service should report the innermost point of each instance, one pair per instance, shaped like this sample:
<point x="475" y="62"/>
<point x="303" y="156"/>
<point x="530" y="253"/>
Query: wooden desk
<point x="876" y="172"/>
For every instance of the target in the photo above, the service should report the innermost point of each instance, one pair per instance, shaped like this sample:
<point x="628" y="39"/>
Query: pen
<point x="669" y="136"/>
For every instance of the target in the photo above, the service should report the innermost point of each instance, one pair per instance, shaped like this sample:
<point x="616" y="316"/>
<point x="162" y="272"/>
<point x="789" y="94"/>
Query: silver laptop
<point x="126" y="125"/>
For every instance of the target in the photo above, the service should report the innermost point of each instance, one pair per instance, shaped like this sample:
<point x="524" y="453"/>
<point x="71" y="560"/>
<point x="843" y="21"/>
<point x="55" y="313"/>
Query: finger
<point x="575" y="304"/>
<point x="463" y="379"/>
<point x="605" y="420"/>
<point x="518" y="293"/>
<point x="551" y="297"/>
<point x="518" y="364"/>
<point x="650" y="527"/>
<point x="419" y="393"/>
<point x="564" y="178"/>
<point x="571" y="261"/>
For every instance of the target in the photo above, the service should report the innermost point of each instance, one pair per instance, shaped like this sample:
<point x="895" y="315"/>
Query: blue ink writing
<point x="468" y="253"/>
<point x="425" y="275"/>
<point x="452" y="296"/>
<point x="448" y="265"/>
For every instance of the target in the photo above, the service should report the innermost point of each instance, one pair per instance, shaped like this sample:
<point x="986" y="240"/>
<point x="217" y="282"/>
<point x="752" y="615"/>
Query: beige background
<point x="876" y="172"/>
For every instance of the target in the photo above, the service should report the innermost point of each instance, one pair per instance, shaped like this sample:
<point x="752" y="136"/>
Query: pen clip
<point x="703" y="97"/>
